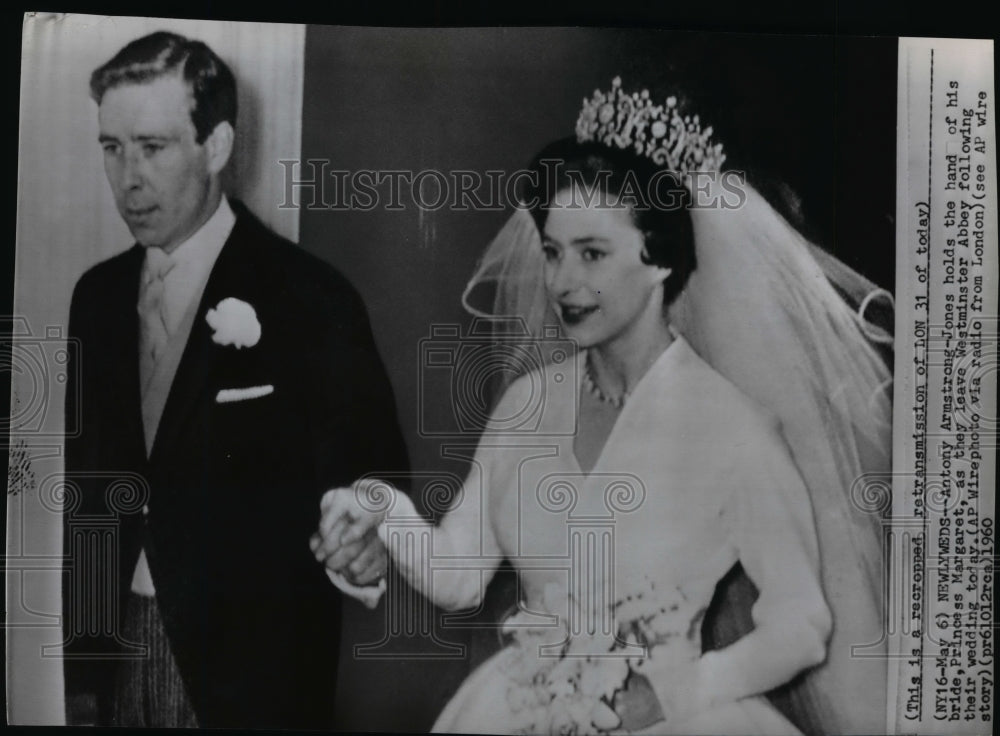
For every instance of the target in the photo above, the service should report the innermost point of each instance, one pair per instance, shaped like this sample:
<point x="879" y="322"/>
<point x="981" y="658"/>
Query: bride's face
<point x="594" y="274"/>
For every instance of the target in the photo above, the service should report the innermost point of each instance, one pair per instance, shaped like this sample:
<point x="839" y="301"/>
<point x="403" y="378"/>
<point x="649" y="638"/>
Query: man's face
<point x="159" y="174"/>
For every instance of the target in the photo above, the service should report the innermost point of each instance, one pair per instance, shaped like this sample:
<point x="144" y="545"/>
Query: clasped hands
<point x="347" y="540"/>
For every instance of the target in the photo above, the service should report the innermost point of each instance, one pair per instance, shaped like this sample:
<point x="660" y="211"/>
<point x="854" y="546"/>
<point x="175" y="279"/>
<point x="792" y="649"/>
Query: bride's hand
<point x="347" y="541"/>
<point x="683" y="692"/>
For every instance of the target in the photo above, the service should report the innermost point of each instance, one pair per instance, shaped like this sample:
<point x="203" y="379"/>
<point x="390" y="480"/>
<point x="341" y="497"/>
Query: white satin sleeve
<point x="770" y="522"/>
<point x="450" y="563"/>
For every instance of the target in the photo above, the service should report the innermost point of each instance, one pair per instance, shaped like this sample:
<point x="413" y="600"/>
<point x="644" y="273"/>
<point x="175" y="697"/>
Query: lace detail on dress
<point x="567" y="679"/>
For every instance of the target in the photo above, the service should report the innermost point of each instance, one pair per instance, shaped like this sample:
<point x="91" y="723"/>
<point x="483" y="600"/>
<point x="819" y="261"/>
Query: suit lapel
<point x="231" y="277"/>
<point x="121" y="353"/>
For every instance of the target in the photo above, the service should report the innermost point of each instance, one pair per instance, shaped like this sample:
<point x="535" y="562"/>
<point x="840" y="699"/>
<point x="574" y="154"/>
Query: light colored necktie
<point x="154" y="336"/>
<point x="153" y="320"/>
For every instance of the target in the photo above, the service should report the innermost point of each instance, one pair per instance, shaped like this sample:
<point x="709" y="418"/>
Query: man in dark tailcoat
<point x="227" y="379"/>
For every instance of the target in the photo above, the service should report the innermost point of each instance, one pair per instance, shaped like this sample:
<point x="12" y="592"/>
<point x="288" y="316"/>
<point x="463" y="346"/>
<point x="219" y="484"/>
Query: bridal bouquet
<point x="590" y="684"/>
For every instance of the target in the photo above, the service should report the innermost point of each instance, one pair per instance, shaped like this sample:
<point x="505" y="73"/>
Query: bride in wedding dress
<point x="720" y="407"/>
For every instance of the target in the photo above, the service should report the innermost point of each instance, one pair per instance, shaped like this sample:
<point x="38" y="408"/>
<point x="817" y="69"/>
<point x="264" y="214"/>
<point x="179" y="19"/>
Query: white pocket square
<point x="228" y="395"/>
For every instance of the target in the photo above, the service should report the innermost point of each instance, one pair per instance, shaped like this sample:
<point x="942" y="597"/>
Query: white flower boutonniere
<point x="235" y="323"/>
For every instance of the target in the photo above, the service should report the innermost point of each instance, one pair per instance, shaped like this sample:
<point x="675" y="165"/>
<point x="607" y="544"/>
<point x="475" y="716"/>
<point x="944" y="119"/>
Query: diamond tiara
<point x="659" y="132"/>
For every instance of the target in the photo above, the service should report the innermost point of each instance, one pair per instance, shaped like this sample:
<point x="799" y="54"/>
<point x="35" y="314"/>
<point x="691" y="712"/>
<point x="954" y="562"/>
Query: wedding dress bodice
<point x="692" y="478"/>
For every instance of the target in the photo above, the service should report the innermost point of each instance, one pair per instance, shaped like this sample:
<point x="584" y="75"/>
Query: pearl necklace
<point x="588" y="380"/>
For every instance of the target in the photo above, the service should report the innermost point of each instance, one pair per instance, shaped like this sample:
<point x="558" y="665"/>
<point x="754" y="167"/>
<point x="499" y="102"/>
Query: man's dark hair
<point x="212" y="84"/>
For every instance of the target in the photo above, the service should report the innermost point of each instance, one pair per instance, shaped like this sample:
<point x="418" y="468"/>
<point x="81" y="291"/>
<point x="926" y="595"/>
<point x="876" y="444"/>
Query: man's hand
<point x="370" y="564"/>
<point x="347" y="541"/>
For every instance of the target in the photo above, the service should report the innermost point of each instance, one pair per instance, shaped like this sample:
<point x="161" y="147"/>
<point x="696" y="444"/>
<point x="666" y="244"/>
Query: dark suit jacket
<point x="232" y="489"/>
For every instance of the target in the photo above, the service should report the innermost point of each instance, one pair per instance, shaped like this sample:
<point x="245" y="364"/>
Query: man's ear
<point x="219" y="146"/>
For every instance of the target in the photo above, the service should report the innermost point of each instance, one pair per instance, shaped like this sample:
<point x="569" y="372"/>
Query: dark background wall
<point x="814" y="114"/>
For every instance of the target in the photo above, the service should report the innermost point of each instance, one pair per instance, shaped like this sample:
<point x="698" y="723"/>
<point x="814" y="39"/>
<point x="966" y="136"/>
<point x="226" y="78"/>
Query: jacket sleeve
<point x="88" y="678"/>
<point x="355" y="426"/>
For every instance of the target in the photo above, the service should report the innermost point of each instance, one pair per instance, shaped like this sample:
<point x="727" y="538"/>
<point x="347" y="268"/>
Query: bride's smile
<point x="603" y="292"/>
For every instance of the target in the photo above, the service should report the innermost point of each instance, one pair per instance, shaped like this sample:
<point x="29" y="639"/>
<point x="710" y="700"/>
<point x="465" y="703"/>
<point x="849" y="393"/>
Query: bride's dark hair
<point x="658" y="202"/>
